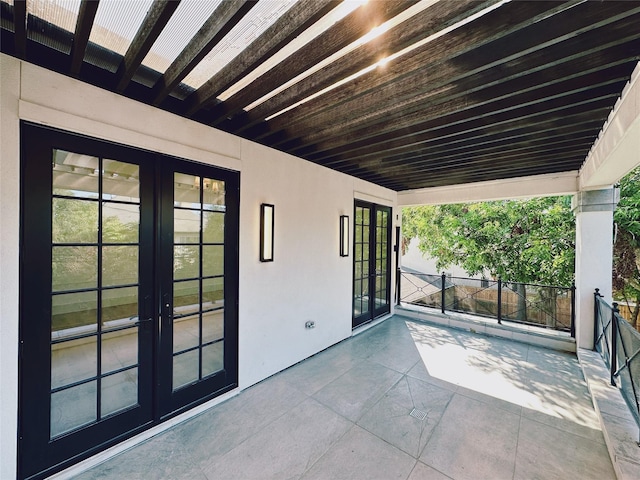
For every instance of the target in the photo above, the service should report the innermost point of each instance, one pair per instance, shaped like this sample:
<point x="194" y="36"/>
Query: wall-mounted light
<point x="344" y="236"/>
<point x="267" y="212"/>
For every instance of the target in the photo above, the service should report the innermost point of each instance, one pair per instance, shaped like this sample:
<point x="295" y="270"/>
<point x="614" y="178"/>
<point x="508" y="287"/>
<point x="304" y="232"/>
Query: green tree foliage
<point x="626" y="251"/>
<point x="529" y="241"/>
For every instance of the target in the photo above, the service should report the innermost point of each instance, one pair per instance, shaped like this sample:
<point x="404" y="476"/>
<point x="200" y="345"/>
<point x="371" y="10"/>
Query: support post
<point x="594" y="255"/>
<point x="442" y="291"/>
<point x="614" y="343"/>
<point x="573" y="309"/>
<point x="596" y="318"/>
<point x="500" y="300"/>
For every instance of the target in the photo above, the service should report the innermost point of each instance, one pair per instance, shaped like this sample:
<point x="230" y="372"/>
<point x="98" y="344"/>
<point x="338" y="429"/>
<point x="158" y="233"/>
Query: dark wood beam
<point x="433" y="145"/>
<point x="289" y="26"/>
<point x="515" y="153"/>
<point x="20" y="28"/>
<point x="490" y="28"/>
<point x="343" y="33"/>
<point x="221" y="21"/>
<point x="86" y="16"/>
<point x="487" y="105"/>
<point x="412" y="96"/>
<point x="154" y="22"/>
<point x="553" y="111"/>
<point x="534" y="145"/>
<point x="433" y="19"/>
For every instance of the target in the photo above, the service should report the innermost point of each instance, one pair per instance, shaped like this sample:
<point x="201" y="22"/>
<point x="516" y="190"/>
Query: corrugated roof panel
<point x="183" y="25"/>
<point x="45" y="18"/>
<point x="114" y="27"/>
<point x="261" y="17"/>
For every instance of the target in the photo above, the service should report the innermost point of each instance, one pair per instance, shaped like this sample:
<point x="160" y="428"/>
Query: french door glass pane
<point x="198" y="273"/>
<point x="73" y="407"/>
<point x="94" y="248"/>
<point x="119" y="391"/>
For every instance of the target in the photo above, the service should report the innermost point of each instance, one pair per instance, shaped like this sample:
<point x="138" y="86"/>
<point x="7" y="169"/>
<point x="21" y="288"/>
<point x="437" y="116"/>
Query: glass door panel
<point x="86" y="360"/>
<point x="371" y="284"/>
<point x="128" y="293"/>
<point x="95" y="245"/>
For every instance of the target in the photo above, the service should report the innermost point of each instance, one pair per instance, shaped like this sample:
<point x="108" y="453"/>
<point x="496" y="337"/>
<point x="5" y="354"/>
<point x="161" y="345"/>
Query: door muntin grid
<point x="198" y="278"/>
<point x="95" y="289"/>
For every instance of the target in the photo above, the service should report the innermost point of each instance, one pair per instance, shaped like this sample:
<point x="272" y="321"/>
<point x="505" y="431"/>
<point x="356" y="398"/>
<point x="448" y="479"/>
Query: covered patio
<point x="239" y="168"/>
<point x="405" y="399"/>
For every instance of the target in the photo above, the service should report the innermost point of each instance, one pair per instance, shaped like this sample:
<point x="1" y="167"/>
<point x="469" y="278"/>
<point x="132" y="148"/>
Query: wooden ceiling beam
<point x="508" y="18"/>
<point x="435" y="146"/>
<point x="452" y="158"/>
<point x="20" y="28"/>
<point x="222" y="20"/>
<point x="84" y="23"/>
<point x="356" y="108"/>
<point x="524" y="105"/>
<point x="289" y="26"/>
<point x="601" y="104"/>
<point x="433" y="19"/>
<point x="486" y="107"/>
<point x="415" y="97"/>
<point x="154" y="22"/>
<point x="341" y="34"/>
<point x="426" y="178"/>
<point x="479" y="158"/>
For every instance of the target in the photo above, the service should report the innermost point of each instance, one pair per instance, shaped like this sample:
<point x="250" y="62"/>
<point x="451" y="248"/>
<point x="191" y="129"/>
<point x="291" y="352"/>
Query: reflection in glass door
<point x="128" y="293"/>
<point x="95" y="246"/>
<point x="197" y="290"/>
<point x="371" y="262"/>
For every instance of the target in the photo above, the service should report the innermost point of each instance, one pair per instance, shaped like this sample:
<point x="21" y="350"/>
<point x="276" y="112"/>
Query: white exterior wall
<point x="307" y="281"/>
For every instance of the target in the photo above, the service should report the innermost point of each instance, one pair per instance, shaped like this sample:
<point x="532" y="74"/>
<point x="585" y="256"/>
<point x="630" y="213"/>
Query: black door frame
<point x="373" y="312"/>
<point x="38" y="456"/>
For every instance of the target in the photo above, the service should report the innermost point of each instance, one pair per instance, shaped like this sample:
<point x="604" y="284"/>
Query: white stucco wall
<point x="307" y="281"/>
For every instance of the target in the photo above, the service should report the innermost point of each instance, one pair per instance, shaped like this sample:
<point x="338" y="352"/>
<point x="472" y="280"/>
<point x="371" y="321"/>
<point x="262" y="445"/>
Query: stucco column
<point x="594" y="255"/>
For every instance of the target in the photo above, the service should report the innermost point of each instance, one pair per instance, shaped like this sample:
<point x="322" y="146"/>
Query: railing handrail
<point x="617" y="365"/>
<point x="536" y="308"/>
<point x="414" y="272"/>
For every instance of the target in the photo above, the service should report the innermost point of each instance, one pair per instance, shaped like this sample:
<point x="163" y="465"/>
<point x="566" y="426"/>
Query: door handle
<point x="140" y="322"/>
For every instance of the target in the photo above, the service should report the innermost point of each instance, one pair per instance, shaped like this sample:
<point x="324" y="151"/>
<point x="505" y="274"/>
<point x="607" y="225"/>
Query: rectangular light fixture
<point x="344" y="236"/>
<point x="266" y="232"/>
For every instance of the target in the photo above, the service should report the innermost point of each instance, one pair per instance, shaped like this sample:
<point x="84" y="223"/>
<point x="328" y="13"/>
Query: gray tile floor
<point x="403" y="400"/>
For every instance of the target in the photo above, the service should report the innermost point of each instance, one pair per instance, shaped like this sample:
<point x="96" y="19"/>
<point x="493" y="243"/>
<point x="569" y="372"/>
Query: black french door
<point x="128" y="293"/>
<point x="371" y="262"/>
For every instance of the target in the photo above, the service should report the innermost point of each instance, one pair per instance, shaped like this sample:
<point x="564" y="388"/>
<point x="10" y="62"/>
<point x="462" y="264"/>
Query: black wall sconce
<point x="344" y="236"/>
<point x="267" y="213"/>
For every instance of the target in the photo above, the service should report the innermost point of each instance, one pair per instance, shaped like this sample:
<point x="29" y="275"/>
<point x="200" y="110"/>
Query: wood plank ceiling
<point x="449" y="92"/>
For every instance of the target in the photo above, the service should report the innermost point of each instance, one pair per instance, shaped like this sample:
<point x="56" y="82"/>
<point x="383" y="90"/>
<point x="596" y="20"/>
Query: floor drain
<point x="419" y="414"/>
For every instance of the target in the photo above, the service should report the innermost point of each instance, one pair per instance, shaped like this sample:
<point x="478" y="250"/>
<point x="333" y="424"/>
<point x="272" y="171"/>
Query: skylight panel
<point x="114" y="27"/>
<point x="260" y="18"/>
<point x="183" y="25"/>
<point x="52" y="16"/>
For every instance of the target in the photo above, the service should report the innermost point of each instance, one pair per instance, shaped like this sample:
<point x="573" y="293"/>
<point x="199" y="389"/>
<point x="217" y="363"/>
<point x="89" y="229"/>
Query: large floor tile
<point x="361" y="455"/>
<point x="161" y="457"/>
<point x="473" y="441"/>
<point x="391" y="419"/>
<point x="425" y="472"/>
<point x="223" y="427"/>
<point x="548" y="453"/>
<point x="314" y="373"/>
<point x="359" y="389"/>
<point x="285" y="448"/>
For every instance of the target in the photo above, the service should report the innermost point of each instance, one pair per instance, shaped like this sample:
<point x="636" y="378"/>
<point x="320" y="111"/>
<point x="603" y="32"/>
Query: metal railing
<point x="545" y="306"/>
<point x="619" y="344"/>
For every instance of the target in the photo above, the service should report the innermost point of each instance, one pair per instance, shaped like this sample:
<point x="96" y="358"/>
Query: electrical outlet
<point x="310" y="324"/>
